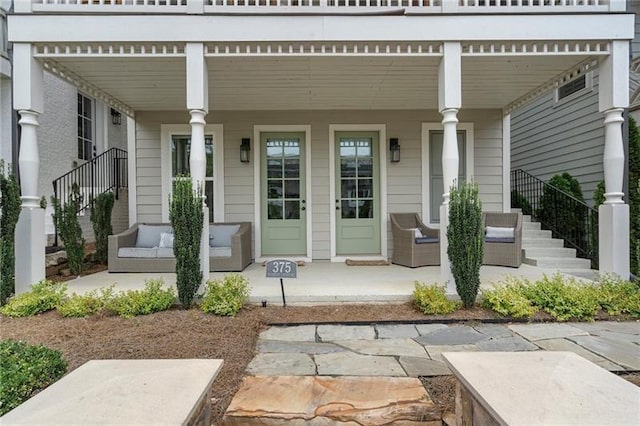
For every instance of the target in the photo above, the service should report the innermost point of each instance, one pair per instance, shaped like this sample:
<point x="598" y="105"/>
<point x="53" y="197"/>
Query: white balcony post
<point x="613" y="215"/>
<point x="198" y="106"/>
<point x="449" y="102"/>
<point x="30" y="234"/>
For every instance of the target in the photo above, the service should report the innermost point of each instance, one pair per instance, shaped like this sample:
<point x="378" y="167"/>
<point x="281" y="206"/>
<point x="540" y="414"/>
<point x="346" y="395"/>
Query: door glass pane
<point x="292" y="209"/>
<point x="356" y="173"/>
<point x="292" y="189"/>
<point x="208" y="192"/>
<point x="274" y="167"/>
<point x="274" y="188"/>
<point x="283" y="178"/>
<point x="274" y="209"/>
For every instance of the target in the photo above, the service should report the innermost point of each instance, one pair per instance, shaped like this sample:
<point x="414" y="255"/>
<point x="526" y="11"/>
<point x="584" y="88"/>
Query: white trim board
<point x="217" y="131"/>
<point x="426" y="196"/>
<point x="257" y="197"/>
<point x="382" y="147"/>
<point x="132" y="162"/>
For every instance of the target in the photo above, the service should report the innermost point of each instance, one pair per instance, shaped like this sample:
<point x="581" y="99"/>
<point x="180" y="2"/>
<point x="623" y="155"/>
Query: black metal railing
<point x="106" y="172"/>
<point x="563" y="214"/>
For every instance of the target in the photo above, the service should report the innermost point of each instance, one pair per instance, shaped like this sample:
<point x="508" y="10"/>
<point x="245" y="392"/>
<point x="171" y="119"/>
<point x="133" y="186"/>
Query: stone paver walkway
<point x="415" y="349"/>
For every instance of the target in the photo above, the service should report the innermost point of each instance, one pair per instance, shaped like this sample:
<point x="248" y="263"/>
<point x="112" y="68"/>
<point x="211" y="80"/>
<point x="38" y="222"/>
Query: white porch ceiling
<point x="288" y="83"/>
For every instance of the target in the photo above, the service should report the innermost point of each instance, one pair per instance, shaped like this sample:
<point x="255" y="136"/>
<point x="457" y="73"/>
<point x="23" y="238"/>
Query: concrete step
<point x="530" y="226"/>
<point x="559" y="262"/>
<point x="541" y="242"/>
<point x="532" y="233"/>
<point x="526" y="218"/>
<point x="536" y="252"/>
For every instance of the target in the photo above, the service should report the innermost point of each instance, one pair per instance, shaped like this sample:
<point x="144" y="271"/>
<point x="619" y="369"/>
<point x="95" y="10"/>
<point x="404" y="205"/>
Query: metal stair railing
<point x="563" y="214"/>
<point x="103" y="173"/>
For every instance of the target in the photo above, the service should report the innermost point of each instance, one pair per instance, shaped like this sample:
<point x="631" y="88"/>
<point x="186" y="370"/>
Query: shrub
<point x="79" y="306"/>
<point x="562" y="214"/>
<point x="465" y="235"/>
<point x="225" y="297"/>
<point x="186" y="215"/>
<point x="519" y="201"/>
<point x="432" y="300"/>
<point x="634" y="194"/>
<point x="65" y="219"/>
<point x="142" y="302"/>
<point x="563" y="298"/>
<point x="618" y="296"/>
<point x="9" y="212"/>
<point x="44" y="296"/>
<point x="598" y="195"/>
<point x="508" y="300"/>
<point x="26" y="369"/>
<point x="100" y="209"/>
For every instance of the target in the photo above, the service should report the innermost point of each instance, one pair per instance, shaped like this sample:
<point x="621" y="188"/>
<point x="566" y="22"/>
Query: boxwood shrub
<point x="142" y="302"/>
<point x="432" y="300"/>
<point x="227" y="296"/>
<point x="44" y="296"/>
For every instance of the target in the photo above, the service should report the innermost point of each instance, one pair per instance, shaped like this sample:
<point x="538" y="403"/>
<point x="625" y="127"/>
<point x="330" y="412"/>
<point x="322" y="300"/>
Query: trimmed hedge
<point x="432" y="300"/>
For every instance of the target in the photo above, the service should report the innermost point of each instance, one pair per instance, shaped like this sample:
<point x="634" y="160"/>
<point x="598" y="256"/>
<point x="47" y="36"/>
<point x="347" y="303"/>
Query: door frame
<point x="257" y="186"/>
<point x="382" y="160"/>
<point x="426" y="187"/>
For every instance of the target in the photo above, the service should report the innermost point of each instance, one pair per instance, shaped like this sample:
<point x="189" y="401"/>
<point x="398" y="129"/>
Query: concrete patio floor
<point x="320" y="282"/>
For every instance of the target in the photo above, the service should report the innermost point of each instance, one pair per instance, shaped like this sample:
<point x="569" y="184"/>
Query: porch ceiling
<point x="326" y="82"/>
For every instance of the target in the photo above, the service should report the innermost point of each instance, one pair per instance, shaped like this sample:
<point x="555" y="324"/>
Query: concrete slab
<point x="392" y="347"/>
<point x="282" y="364"/>
<point x="568" y="346"/>
<point x="545" y="388"/>
<point x="618" y="337"/>
<point x="144" y="392"/>
<point x="331" y="333"/>
<point x="624" y="354"/>
<point x="453" y="335"/>
<point x="506" y="344"/>
<point x="435" y="351"/>
<point x="429" y="328"/>
<point x="350" y="364"/>
<point x="278" y="346"/>
<point x="329" y="400"/>
<point x="395" y="331"/>
<point x="535" y="332"/>
<point x="416" y="367"/>
<point x="298" y="333"/>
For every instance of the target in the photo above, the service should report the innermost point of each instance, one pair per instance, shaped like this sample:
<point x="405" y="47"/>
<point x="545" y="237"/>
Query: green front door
<point x="357" y="193"/>
<point x="283" y="212"/>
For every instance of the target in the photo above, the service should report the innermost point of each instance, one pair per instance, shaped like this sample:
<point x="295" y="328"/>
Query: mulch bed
<point x="181" y="333"/>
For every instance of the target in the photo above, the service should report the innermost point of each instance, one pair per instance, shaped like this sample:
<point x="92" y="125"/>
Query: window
<point x="436" y="179"/>
<point x="86" y="145"/>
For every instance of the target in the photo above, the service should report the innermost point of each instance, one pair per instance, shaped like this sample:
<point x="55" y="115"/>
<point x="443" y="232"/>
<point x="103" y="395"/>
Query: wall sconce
<point x="116" y="117"/>
<point x="245" y="149"/>
<point x="394" y="149"/>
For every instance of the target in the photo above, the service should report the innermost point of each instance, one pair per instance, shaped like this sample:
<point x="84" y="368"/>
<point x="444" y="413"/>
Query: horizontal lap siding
<point x="403" y="179"/>
<point x="548" y="138"/>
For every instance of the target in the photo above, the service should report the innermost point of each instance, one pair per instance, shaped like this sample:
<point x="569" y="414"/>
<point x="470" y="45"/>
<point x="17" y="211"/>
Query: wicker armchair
<point x="505" y="251"/>
<point x="409" y="250"/>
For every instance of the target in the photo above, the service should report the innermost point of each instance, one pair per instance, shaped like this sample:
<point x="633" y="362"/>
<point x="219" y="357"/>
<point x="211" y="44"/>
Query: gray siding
<point x="404" y="189"/>
<point x="549" y="138"/>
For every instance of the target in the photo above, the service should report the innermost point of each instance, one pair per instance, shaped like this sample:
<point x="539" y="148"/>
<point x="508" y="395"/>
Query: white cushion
<point x="138" y="252"/>
<point x="222" y="235"/>
<point x="220" y="252"/>
<point x="165" y="252"/>
<point x="417" y="233"/>
<point x="499" y="232"/>
<point x="166" y="240"/>
<point x="149" y="235"/>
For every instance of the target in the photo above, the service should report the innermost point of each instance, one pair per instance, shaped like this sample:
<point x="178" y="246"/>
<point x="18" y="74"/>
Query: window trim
<point x="167" y="131"/>
<point x="588" y="87"/>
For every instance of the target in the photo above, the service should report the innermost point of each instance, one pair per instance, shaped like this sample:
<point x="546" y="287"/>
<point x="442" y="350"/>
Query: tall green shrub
<point x="466" y="239"/>
<point x="519" y="201"/>
<point x="634" y="194"/>
<point x="567" y="215"/>
<point x="186" y="215"/>
<point x="9" y="212"/>
<point x="101" y="208"/>
<point x="65" y="219"/>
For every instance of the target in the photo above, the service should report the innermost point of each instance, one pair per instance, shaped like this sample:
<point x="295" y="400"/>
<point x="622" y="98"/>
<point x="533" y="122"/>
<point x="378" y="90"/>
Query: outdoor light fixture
<point x="394" y="149"/>
<point x="116" y="117"/>
<point x="245" y="148"/>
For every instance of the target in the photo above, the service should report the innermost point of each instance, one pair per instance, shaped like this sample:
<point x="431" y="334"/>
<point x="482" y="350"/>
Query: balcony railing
<point x="321" y="6"/>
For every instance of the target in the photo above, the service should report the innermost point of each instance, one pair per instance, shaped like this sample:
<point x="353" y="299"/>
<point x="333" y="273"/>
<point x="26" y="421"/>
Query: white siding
<point x="403" y="179"/>
<point x="548" y="138"/>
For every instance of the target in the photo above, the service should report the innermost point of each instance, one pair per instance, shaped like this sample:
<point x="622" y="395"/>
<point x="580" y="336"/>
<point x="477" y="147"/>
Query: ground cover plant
<point x="153" y="298"/>
<point x="83" y="305"/>
<point x="432" y="300"/>
<point x="26" y="369"/>
<point x="44" y="296"/>
<point x="226" y="296"/>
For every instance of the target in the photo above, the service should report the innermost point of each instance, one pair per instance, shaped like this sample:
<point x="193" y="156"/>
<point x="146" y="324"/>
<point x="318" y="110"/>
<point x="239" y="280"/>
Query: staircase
<point x="540" y="249"/>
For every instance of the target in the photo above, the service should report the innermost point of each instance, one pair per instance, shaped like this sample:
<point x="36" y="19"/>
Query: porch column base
<point x="445" y="266"/>
<point x="30" y="244"/>
<point x="613" y="237"/>
<point x="204" y="245"/>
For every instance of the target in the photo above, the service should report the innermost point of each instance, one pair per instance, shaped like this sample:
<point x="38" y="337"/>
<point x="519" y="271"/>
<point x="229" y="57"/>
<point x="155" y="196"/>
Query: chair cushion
<point x="140" y="252"/>
<point x="220" y="252"/>
<point x="165" y="252"/>
<point x="417" y="233"/>
<point x="166" y="240"/>
<point x="149" y="235"/>
<point x="499" y="240"/>
<point x="499" y="232"/>
<point x="426" y="240"/>
<point x="222" y="235"/>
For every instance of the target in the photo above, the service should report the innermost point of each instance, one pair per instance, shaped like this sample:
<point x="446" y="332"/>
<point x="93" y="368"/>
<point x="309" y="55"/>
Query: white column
<point x="449" y="102"/>
<point x="30" y="232"/>
<point x="613" y="215"/>
<point x="198" y="106"/>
